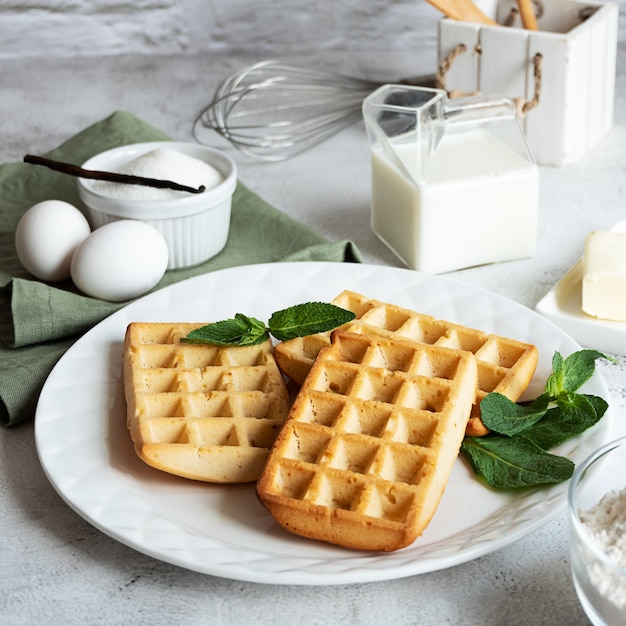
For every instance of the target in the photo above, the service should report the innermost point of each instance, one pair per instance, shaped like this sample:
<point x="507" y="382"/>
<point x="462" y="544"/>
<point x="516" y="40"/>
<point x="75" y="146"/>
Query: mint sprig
<point x="515" y="453"/>
<point x="297" y="321"/>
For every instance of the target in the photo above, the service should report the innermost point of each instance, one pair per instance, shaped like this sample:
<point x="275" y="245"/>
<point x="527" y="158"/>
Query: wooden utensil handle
<point x="462" y="10"/>
<point x="527" y="13"/>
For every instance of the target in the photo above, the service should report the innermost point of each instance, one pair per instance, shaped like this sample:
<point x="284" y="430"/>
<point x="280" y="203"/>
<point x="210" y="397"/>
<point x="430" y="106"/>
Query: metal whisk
<point x="272" y="111"/>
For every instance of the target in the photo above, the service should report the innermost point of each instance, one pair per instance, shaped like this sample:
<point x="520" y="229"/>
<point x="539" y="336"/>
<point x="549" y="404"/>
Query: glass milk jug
<point x="453" y="182"/>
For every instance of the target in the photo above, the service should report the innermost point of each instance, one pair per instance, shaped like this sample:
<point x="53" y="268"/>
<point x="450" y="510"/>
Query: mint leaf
<point x="504" y="416"/>
<point x="554" y="384"/>
<point x="578" y="368"/>
<point x="558" y="426"/>
<point x="240" y="331"/>
<point x="514" y="462"/>
<point x="578" y="406"/>
<point x="600" y="405"/>
<point x="573" y="372"/>
<point x="296" y="321"/>
<point x="308" y="319"/>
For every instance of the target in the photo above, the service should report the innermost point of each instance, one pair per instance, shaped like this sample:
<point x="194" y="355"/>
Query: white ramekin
<point x="195" y="226"/>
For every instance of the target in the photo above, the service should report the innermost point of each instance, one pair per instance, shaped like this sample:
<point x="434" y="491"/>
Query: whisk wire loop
<point x="272" y="110"/>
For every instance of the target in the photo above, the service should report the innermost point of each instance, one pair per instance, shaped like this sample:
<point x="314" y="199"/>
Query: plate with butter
<point x="591" y="286"/>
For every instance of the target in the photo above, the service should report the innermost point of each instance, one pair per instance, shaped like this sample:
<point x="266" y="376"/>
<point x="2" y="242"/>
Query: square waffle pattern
<point x="367" y="450"/>
<point x="203" y="412"/>
<point x="504" y="365"/>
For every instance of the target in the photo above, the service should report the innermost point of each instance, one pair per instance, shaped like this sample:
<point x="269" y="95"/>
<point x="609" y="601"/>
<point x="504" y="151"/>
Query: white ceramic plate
<point x="223" y="530"/>
<point x="563" y="305"/>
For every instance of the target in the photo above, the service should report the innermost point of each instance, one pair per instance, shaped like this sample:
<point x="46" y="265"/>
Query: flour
<point x="606" y="523"/>
<point x="163" y="164"/>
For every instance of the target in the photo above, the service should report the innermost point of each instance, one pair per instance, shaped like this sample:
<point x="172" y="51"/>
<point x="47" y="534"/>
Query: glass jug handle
<point x="478" y="108"/>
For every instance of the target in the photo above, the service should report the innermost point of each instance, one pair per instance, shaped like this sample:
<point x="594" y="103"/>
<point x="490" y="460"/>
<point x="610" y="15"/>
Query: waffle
<point x="504" y="365"/>
<point x="203" y="412"/>
<point x="367" y="450"/>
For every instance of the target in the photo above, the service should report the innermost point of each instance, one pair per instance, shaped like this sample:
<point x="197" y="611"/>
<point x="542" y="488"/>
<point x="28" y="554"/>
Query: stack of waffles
<point x="363" y="455"/>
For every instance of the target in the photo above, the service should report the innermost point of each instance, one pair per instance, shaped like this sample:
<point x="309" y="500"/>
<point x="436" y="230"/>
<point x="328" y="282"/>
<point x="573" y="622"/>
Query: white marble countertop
<point x="57" y="568"/>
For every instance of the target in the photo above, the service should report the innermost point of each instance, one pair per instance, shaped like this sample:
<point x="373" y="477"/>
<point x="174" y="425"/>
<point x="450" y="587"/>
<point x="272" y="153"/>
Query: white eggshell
<point x="120" y="260"/>
<point x="47" y="236"/>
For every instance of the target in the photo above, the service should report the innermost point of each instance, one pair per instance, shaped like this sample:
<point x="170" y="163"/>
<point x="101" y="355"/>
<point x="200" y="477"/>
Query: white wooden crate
<point x="577" y="42"/>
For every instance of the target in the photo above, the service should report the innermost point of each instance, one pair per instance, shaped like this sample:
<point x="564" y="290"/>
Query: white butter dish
<point x="563" y="306"/>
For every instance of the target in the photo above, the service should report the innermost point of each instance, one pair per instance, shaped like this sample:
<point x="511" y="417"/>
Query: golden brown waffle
<point x="504" y="365"/>
<point x="203" y="412"/>
<point x="367" y="450"/>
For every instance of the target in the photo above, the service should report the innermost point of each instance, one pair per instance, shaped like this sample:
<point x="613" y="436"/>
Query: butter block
<point x="604" y="275"/>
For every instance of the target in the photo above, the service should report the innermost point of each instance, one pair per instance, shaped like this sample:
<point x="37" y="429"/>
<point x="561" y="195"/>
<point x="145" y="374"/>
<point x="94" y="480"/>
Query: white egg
<point x="120" y="260"/>
<point x="47" y="236"/>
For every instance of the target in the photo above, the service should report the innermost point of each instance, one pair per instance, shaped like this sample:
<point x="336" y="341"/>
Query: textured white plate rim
<point x="77" y="441"/>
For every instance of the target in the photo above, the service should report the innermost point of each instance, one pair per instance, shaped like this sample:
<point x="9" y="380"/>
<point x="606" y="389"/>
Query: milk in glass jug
<point x="453" y="182"/>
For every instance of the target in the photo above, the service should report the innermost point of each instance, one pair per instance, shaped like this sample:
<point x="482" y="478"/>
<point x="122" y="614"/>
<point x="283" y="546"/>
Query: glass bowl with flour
<point x="597" y="520"/>
<point x="194" y="225"/>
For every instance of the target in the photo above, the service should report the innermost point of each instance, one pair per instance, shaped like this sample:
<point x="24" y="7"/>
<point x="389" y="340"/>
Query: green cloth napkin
<point x="40" y="321"/>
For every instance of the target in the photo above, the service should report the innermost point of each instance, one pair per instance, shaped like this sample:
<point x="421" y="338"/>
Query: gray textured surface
<point x="57" y="569"/>
<point x="104" y="27"/>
